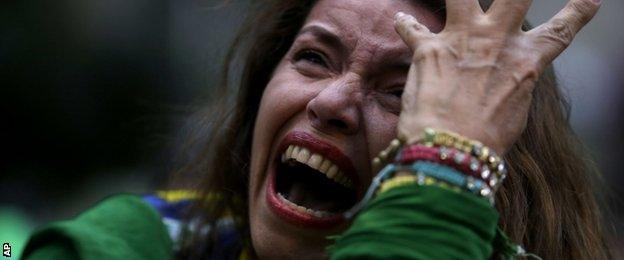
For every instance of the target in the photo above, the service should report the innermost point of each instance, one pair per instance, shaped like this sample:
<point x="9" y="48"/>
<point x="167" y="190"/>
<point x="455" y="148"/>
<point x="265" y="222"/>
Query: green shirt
<point x="410" y="222"/>
<point x="121" y="227"/>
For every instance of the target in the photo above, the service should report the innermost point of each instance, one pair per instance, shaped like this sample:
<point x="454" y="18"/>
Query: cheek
<point x="284" y="99"/>
<point x="380" y="129"/>
<point x="285" y="95"/>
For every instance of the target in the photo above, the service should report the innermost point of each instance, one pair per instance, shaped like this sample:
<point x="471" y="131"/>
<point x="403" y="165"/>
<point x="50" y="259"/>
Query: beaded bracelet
<point x="452" y="176"/>
<point x="443" y="140"/>
<point x="399" y="181"/>
<point x="464" y="162"/>
<point x="496" y="165"/>
<point x="390" y="152"/>
<point x="422" y="170"/>
<point x="432" y="137"/>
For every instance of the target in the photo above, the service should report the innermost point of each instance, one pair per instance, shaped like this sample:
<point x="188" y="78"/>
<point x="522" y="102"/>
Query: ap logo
<point x="6" y="250"/>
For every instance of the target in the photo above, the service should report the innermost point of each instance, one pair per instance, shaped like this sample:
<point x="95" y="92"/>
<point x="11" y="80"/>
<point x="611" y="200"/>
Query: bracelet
<point x="390" y="152"/>
<point x="454" y="177"/>
<point x="400" y="181"/>
<point x="424" y="169"/>
<point x="491" y="167"/>
<point x="464" y="162"/>
<point x="496" y="165"/>
<point x="381" y="176"/>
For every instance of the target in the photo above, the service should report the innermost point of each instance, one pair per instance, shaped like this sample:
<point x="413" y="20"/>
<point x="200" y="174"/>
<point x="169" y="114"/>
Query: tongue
<point x="304" y="194"/>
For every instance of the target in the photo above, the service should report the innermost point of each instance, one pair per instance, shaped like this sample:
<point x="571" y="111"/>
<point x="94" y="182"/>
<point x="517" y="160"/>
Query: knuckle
<point x="531" y="75"/>
<point x="408" y="23"/>
<point x="524" y="76"/>
<point x="428" y="49"/>
<point x="559" y="32"/>
<point x="411" y="31"/>
<point x="403" y="27"/>
<point x="405" y="23"/>
<point x="486" y="21"/>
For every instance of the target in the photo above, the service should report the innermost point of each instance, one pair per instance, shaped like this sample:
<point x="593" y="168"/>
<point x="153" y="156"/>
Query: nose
<point x="336" y="109"/>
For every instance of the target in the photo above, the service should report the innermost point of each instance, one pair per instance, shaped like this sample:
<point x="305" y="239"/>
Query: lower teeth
<point x="304" y="210"/>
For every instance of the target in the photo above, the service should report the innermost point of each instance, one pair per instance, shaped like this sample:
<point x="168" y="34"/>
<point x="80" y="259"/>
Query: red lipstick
<point x="325" y="149"/>
<point x="287" y="210"/>
<point x="293" y="216"/>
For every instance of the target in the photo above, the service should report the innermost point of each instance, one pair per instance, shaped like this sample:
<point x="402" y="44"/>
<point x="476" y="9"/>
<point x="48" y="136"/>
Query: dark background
<point x="93" y="92"/>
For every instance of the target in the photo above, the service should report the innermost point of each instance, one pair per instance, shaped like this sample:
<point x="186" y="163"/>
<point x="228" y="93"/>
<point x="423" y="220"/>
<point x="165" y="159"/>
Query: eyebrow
<point x="396" y="65"/>
<point x="391" y="60"/>
<point x="324" y="35"/>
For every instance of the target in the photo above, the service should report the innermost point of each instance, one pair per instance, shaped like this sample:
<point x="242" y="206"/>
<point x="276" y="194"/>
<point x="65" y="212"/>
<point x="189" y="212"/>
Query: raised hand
<point x="476" y="77"/>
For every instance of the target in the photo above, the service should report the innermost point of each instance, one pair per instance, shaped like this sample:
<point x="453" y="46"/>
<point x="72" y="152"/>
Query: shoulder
<point x="119" y="227"/>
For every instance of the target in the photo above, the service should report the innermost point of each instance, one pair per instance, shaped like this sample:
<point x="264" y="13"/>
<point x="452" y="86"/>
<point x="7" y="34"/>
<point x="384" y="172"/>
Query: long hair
<point x="547" y="203"/>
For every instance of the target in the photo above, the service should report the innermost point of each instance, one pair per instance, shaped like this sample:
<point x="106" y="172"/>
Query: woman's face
<point x="332" y="104"/>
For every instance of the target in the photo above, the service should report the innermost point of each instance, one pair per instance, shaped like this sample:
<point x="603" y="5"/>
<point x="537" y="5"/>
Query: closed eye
<point x="311" y="56"/>
<point x="397" y="92"/>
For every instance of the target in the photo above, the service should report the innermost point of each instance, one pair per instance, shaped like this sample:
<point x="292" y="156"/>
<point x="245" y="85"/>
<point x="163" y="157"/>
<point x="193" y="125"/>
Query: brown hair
<point x="547" y="202"/>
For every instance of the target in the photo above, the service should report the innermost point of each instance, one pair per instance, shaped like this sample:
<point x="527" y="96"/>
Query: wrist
<point x="411" y="132"/>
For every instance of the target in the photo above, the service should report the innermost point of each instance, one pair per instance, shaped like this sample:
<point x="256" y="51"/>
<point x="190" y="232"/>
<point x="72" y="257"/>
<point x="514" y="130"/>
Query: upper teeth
<point x="317" y="162"/>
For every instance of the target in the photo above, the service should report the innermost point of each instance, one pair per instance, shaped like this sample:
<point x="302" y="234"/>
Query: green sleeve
<point x="121" y="227"/>
<point x="420" y="222"/>
<point x="54" y="251"/>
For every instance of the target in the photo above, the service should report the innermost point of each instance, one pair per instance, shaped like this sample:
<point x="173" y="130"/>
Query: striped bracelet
<point x="451" y="176"/>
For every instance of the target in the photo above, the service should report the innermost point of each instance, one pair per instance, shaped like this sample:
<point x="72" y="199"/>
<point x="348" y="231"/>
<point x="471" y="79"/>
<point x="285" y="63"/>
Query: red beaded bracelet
<point x="452" y="157"/>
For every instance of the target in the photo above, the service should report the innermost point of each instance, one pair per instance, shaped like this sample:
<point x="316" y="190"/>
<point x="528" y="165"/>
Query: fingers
<point x="555" y="35"/>
<point x="509" y="12"/>
<point x="459" y="11"/>
<point x="411" y="31"/>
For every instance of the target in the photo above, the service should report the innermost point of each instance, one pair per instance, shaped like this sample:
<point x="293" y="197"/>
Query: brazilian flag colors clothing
<point x="409" y="222"/>
<point x="128" y="227"/>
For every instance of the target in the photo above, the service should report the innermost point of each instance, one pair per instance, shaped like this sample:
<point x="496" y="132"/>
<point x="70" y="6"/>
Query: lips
<point x="311" y="183"/>
<point x="327" y="150"/>
<point x="288" y="213"/>
<point x="318" y="162"/>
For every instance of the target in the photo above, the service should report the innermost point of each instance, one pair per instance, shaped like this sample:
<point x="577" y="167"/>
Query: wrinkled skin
<point x="475" y="78"/>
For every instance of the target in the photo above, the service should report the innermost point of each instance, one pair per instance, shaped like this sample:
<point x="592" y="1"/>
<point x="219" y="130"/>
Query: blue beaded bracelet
<point x="423" y="169"/>
<point x="451" y="176"/>
<point x="440" y="172"/>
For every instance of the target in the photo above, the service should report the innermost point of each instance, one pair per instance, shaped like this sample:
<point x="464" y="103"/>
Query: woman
<point x="326" y="85"/>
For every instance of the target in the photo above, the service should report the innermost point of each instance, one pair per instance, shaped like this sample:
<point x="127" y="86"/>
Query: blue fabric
<point x="229" y="244"/>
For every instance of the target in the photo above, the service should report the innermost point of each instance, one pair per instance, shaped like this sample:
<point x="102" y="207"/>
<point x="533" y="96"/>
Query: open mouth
<point x="309" y="186"/>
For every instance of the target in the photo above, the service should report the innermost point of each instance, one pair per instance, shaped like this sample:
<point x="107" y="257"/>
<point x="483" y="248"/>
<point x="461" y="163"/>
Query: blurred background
<point x="93" y="93"/>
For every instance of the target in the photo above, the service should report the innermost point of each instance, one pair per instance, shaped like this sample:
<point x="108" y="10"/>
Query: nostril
<point x="337" y="123"/>
<point x="312" y="114"/>
<point x="332" y="116"/>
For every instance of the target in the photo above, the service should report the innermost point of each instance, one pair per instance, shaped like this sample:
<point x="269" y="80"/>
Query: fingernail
<point x="399" y="15"/>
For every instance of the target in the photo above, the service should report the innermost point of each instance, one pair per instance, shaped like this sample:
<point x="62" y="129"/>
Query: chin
<point x="279" y="247"/>
<point x="308" y="186"/>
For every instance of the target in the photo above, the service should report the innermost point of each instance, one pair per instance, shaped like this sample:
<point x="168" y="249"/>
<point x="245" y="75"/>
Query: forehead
<point x="369" y="18"/>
